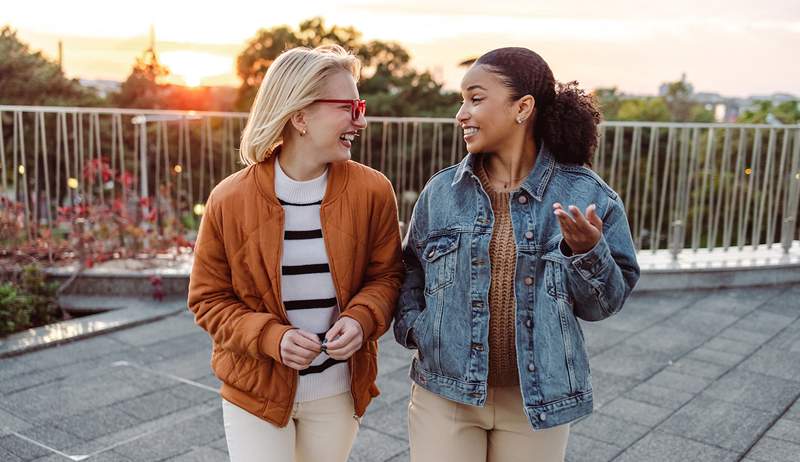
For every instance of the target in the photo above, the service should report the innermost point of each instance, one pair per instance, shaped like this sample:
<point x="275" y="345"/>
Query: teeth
<point x="470" y="131"/>
<point x="348" y="137"/>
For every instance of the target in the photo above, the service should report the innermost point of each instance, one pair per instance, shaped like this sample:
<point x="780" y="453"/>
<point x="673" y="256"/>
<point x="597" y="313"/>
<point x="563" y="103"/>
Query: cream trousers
<point x="443" y="430"/>
<point x="319" y="430"/>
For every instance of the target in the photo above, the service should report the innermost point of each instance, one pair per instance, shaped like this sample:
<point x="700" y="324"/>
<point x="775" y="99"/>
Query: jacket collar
<point x="265" y="179"/>
<point x="536" y="182"/>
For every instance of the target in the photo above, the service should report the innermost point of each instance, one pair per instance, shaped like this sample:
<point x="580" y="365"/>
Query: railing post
<point x="144" y="191"/>
<point x="793" y="196"/>
<point x="676" y="246"/>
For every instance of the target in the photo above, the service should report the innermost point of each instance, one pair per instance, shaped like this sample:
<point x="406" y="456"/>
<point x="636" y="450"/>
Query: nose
<point x="361" y="122"/>
<point x="462" y="114"/>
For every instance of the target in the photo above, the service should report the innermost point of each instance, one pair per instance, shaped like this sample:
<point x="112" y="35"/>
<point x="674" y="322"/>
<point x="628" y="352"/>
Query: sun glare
<point x="192" y="68"/>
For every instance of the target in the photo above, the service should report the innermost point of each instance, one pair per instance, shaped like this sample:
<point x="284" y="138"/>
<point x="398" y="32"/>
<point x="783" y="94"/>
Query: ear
<point x="298" y="121"/>
<point x="525" y="108"/>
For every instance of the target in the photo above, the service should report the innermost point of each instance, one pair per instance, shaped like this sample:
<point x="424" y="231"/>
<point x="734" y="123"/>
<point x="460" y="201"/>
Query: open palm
<point x="581" y="232"/>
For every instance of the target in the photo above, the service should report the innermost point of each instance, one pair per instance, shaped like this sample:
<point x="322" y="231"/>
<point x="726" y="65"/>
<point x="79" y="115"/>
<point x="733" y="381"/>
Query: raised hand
<point x="580" y="232"/>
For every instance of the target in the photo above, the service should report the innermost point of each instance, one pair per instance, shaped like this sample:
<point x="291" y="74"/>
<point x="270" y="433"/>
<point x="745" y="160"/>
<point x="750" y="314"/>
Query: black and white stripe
<point x="308" y="292"/>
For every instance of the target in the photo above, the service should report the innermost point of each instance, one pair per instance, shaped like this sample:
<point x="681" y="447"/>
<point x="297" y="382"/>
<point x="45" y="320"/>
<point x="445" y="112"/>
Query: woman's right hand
<point x="299" y="348"/>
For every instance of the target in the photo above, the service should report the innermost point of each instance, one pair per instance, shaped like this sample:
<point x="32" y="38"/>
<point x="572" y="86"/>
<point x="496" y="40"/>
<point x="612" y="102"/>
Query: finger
<point x="341" y="342"/>
<point x="594" y="219"/>
<point x="557" y="205"/>
<point x="566" y="221"/>
<point x="296" y="366"/>
<point x="307" y="341"/>
<point x="346" y="351"/>
<point x="580" y="220"/>
<point x="299" y="354"/>
<point x="292" y="360"/>
<point x="334" y="331"/>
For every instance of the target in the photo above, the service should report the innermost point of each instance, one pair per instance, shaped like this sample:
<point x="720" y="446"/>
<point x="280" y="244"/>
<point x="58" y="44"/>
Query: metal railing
<point x="685" y="186"/>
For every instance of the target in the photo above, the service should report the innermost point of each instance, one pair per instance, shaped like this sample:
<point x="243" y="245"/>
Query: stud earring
<point x="303" y="132"/>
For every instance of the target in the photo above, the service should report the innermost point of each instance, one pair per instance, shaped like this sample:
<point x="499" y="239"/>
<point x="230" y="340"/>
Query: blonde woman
<point x="297" y="267"/>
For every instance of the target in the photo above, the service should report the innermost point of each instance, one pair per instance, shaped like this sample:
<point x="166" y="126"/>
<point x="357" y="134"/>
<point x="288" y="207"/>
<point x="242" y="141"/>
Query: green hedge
<point x="29" y="302"/>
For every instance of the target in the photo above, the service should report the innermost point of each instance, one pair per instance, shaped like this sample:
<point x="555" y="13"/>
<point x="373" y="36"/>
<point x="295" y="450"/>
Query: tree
<point x="764" y="112"/>
<point x="678" y="98"/>
<point x="392" y="86"/>
<point x="28" y="78"/>
<point x="609" y="100"/>
<point x="141" y="89"/>
<point x="676" y="105"/>
<point x="644" y="109"/>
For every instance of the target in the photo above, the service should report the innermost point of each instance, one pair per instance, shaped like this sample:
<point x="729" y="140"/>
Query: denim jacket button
<point x="542" y="416"/>
<point x="528" y="323"/>
<point x="477" y="346"/>
<point x="431" y="254"/>
<point x="532" y="368"/>
<point x="523" y="199"/>
<point x="528" y="281"/>
<point x="529" y="235"/>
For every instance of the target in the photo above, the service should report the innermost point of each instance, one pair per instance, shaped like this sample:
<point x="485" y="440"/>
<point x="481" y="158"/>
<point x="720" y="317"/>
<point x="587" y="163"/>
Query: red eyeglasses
<point x="358" y="107"/>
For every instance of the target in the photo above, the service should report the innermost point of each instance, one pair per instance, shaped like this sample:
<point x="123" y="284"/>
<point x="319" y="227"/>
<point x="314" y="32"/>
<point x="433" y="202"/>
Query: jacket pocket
<point x="242" y="372"/>
<point x="418" y="329"/>
<point x="440" y="258"/>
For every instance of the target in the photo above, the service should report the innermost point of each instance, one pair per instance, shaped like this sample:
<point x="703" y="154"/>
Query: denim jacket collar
<point x="536" y="182"/>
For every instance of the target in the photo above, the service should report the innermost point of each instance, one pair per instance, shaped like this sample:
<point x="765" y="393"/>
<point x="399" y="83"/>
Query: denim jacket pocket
<point x="418" y="329"/>
<point x="440" y="258"/>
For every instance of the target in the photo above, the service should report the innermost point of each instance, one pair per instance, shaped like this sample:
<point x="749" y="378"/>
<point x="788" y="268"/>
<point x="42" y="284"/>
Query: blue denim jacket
<point x="443" y="306"/>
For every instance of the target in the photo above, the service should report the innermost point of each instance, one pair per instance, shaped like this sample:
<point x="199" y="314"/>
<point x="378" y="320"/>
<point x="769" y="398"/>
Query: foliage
<point x="141" y="89"/>
<point x="28" y="78"/>
<point x="647" y="109"/>
<point x="388" y="82"/>
<point x="677" y="105"/>
<point x="108" y="221"/>
<point x="30" y="302"/>
<point x="763" y="112"/>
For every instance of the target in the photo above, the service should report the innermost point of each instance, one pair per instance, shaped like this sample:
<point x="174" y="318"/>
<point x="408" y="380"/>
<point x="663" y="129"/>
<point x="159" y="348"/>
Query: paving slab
<point x="691" y="375"/>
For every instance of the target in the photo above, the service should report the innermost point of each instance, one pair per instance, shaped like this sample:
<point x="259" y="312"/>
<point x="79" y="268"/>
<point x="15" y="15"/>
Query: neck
<point x="512" y="163"/>
<point x="298" y="165"/>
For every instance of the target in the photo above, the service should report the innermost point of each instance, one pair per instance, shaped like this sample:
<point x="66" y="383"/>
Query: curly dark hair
<point x="565" y="117"/>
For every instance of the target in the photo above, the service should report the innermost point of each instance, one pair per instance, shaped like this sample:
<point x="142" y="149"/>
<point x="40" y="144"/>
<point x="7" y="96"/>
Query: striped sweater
<point x="308" y="292"/>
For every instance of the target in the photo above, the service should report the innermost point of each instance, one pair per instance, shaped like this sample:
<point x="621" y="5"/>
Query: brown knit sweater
<point x="502" y="305"/>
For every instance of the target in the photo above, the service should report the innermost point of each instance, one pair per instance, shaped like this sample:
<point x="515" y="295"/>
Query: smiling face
<point x="487" y="114"/>
<point x="330" y="126"/>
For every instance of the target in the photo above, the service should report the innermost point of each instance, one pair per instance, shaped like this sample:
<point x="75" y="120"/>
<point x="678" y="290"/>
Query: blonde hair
<point x="293" y="81"/>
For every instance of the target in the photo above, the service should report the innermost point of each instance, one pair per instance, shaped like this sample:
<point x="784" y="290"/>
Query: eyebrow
<point x="472" y="87"/>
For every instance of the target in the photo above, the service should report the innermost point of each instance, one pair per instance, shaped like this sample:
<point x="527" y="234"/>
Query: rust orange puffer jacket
<point x="235" y="287"/>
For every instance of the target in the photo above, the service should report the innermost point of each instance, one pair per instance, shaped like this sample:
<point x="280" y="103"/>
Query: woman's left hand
<point x="344" y="338"/>
<point x="580" y="232"/>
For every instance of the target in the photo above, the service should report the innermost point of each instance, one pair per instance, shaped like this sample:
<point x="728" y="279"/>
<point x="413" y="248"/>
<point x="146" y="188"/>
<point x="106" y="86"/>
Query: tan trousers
<point x="441" y="430"/>
<point x="319" y="430"/>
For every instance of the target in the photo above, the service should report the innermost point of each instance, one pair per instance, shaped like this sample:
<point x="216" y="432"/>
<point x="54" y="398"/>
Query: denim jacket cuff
<point x="590" y="263"/>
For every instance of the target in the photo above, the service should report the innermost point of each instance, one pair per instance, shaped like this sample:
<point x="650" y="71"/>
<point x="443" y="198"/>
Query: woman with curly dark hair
<point x="501" y="261"/>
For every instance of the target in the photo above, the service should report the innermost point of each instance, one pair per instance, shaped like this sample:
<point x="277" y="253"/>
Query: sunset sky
<point x="733" y="47"/>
